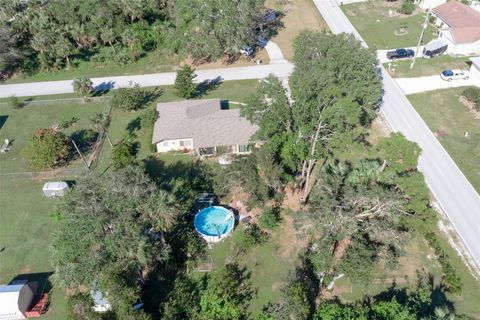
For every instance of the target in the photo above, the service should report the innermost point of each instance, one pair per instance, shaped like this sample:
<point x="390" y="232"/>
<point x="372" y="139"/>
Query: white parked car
<point x="449" y="75"/>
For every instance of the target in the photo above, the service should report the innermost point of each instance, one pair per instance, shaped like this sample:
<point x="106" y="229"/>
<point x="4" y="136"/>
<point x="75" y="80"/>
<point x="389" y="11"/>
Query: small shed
<point x="55" y="189"/>
<point x="15" y="300"/>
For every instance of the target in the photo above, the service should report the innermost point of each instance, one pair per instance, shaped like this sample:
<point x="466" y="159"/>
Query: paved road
<point x="454" y="193"/>
<point x="422" y="84"/>
<point x="146" y="80"/>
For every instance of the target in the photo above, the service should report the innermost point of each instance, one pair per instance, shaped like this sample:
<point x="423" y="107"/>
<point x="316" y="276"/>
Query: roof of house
<point x="202" y="120"/>
<point x="464" y="22"/>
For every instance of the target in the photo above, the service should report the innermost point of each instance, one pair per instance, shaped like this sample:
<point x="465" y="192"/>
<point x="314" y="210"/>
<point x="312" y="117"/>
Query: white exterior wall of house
<point x="174" y="145"/>
<point x="475" y="5"/>
<point x="429" y="4"/>
<point x="475" y="69"/>
<point x="459" y="48"/>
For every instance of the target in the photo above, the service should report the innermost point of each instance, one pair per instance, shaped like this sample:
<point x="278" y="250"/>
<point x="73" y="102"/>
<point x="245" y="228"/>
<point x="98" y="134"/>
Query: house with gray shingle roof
<point x="201" y="126"/>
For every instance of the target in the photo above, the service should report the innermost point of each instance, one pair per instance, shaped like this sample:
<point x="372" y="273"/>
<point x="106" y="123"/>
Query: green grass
<point x="381" y="34"/>
<point x="19" y="124"/>
<point x="25" y="233"/>
<point x="467" y="302"/>
<point x="427" y="67"/>
<point x="268" y="263"/>
<point x="449" y="119"/>
<point x="153" y="62"/>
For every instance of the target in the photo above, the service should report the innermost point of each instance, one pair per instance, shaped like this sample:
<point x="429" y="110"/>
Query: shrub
<point x="14" y="102"/>
<point x="252" y="235"/>
<point x="408" y="6"/>
<point x="47" y="148"/>
<point x="123" y="154"/>
<point x="147" y="121"/>
<point x="67" y="123"/>
<point x="452" y="279"/>
<point x="129" y="99"/>
<point x="84" y="138"/>
<point x="184" y="84"/>
<point x="270" y="218"/>
<point x="472" y="94"/>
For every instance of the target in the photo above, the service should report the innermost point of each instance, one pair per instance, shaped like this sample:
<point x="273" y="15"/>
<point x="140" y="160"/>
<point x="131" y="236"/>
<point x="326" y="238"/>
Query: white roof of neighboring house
<point x="10" y="298"/>
<point x="476" y="62"/>
<point x="464" y="22"/>
<point x="204" y="121"/>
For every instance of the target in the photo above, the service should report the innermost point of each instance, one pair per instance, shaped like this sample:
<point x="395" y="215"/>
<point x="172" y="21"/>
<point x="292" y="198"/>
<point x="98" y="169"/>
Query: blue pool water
<point x="214" y="221"/>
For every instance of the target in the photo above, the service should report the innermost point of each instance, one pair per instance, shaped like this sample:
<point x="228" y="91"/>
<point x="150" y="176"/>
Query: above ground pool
<point x="214" y="223"/>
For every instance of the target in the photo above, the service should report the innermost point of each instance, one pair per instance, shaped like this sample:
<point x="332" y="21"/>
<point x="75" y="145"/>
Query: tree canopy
<point x="47" y="148"/>
<point x="111" y="230"/>
<point x="58" y="33"/>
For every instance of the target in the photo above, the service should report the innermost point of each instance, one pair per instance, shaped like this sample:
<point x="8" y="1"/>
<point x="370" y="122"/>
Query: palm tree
<point x="108" y="36"/>
<point x="82" y="86"/>
<point x="64" y="48"/>
<point x="101" y="121"/>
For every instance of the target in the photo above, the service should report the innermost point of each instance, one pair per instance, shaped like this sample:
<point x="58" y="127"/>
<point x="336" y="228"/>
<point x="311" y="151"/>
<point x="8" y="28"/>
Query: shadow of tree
<point x="103" y="88"/>
<point x="84" y="139"/>
<point x="3" y="119"/>
<point x="206" y="86"/>
<point x="134" y="125"/>
<point x="39" y="282"/>
<point x="152" y="95"/>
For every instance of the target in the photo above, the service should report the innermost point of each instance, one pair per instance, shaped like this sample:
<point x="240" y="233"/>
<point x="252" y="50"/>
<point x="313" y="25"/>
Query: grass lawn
<point x="153" y="62"/>
<point x="299" y="15"/>
<point x="19" y="124"/>
<point x="269" y="263"/>
<point x="449" y="119"/>
<point x="377" y="28"/>
<point x="427" y="67"/>
<point x="25" y="232"/>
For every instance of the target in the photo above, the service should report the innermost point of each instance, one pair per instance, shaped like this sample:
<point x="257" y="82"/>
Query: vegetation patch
<point x="377" y="23"/>
<point x="443" y="112"/>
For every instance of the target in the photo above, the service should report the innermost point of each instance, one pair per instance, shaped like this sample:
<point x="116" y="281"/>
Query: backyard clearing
<point x="382" y="27"/>
<point x="449" y="119"/>
<point x="268" y="264"/>
<point x="426" y="67"/>
<point x="299" y="15"/>
<point x="26" y="225"/>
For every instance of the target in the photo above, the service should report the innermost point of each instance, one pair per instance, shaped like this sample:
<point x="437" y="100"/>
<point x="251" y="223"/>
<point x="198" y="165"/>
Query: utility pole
<point x="424" y="27"/>
<point x="81" y="156"/>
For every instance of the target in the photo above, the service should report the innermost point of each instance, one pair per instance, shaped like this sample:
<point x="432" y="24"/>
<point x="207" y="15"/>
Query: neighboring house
<point x="459" y="26"/>
<point x="201" y="126"/>
<point x="475" y="67"/>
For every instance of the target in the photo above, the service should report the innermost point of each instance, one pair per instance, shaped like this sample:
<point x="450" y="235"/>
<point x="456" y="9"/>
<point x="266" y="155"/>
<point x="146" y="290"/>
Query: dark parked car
<point x="400" y="53"/>
<point x="270" y="16"/>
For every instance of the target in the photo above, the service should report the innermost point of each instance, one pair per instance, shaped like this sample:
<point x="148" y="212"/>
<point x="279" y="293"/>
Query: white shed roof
<point x="58" y="185"/>
<point x="10" y="296"/>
